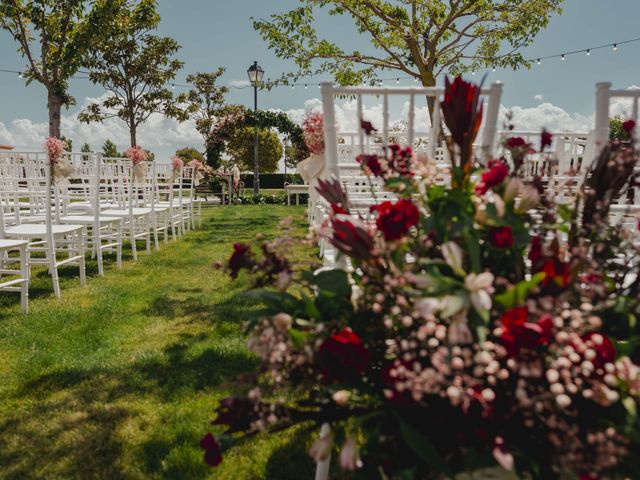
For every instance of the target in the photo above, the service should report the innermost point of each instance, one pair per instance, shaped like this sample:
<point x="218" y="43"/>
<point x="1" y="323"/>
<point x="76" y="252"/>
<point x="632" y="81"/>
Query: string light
<point x="397" y="81"/>
<point x="615" y="47"/>
<point x="588" y="53"/>
<point x="539" y="62"/>
<point x="494" y="69"/>
<point x="563" y="57"/>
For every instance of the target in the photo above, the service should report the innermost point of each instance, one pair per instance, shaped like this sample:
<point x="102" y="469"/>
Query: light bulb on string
<point x="615" y="47"/>
<point x="563" y="57"/>
<point x="397" y="81"/>
<point x="493" y="69"/>
<point x="306" y="86"/>
<point x="20" y="75"/>
<point x="539" y="62"/>
<point x="588" y="53"/>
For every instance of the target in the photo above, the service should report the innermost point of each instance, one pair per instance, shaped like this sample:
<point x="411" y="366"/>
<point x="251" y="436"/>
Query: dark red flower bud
<point x="367" y="127"/>
<point x="545" y="139"/>
<point x="515" y="142"/>
<point x="240" y="258"/>
<point x="462" y="110"/>
<point x="352" y="237"/>
<point x="629" y="126"/>
<point x="371" y="163"/>
<point x="501" y="237"/>
<point x="395" y="219"/>
<point x="343" y="357"/>
<point x="212" y="450"/>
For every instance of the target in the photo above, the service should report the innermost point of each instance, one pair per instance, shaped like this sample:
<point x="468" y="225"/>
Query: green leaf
<point x="335" y="281"/>
<point x="298" y="337"/>
<point x="517" y="294"/>
<point x="422" y="446"/>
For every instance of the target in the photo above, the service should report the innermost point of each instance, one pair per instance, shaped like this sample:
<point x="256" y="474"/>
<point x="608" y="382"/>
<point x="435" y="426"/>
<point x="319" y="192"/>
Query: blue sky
<point x="219" y="33"/>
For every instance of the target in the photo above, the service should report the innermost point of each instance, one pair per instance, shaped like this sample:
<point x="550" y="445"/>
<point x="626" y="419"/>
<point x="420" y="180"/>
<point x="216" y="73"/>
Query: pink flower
<point x="136" y="155"/>
<point x="313" y="130"/>
<point x="176" y="162"/>
<point x="56" y="148"/>
<point x="350" y="456"/>
<point x="197" y="164"/>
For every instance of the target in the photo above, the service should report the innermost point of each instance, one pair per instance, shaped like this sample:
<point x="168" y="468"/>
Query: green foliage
<point x="69" y="143"/>
<point x="616" y="132"/>
<point x="421" y="38"/>
<point x="110" y="150"/>
<point x="262" y="199"/>
<point x="241" y="149"/>
<point x="189" y="153"/>
<point x="134" y="66"/>
<point x="86" y="148"/>
<point x="204" y="102"/>
<point x="55" y="38"/>
<point x="234" y="117"/>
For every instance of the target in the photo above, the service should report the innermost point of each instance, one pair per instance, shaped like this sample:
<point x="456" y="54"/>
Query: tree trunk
<point x="132" y="132"/>
<point x="54" y="104"/>
<point x="429" y="80"/>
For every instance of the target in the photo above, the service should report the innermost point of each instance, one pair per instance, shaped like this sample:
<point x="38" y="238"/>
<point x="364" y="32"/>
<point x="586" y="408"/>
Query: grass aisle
<point x="118" y="380"/>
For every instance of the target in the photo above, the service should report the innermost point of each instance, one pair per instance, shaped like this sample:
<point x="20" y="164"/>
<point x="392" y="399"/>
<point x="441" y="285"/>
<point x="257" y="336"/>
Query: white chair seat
<point x="6" y="244"/>
<point x="40" y="231"/>
<point x="136" y="212"/>
<point x="88" y="220"/>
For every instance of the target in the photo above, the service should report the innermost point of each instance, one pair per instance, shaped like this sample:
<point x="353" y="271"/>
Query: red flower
<point x="557" y="272"/>
<point x="535" y="253"/>
<point x="351" y="236"/>
<point x="461" y="112"/>
<point x="501" y="237"/>
<point x="400" y="159"/>
<point x="498" y="171"/>
<point x="516" y="142"/>
<point x="337" y="209"/>
<point x="395" y="219"/>
<point x="518" y="332"/>
<point x="240" y="258"/>
<point x="367" y="127"/>
<point x="628" y="126"/>
<point x="343" y="357"/>
<point x="604" y="348"/>
<point x="212" y="450"/>
<point x="371" y="163"/>
<point x="545" y="139"/>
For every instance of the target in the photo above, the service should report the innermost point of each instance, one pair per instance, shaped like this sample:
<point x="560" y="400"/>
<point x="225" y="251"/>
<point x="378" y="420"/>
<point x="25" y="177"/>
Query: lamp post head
<point x="255" y="73"/>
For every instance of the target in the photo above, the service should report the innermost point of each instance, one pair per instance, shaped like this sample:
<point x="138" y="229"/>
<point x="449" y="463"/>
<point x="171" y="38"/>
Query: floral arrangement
<point x="313" y="128"/>
<point x="137" y="155"/>
<point x="56" y="148"/>
<point x="475" y="325"/>
<point x="176" y="162"/>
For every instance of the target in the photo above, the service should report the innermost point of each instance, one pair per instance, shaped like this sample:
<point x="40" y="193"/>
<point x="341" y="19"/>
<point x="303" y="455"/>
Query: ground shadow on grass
<point x="72" y="429"/>
<point x="291" y="460"/>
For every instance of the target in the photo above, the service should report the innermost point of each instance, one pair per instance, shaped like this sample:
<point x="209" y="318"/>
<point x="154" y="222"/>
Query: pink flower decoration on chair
<point x="176" y="162"/>
<point x="56" y="148"/>
<point x="136" y="155"/>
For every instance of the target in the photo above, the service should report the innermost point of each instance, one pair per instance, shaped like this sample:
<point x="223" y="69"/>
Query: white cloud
<point x="539" y="97"/>
<point x="239" y="83"/>
<point x="164" y="136"/>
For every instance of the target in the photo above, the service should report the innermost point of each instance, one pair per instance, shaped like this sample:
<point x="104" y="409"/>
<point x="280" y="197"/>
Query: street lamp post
<point x="255" y="73"/>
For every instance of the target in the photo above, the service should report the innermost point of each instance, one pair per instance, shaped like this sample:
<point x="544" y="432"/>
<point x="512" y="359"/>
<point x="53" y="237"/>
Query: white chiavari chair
<point x="47" y="239"/>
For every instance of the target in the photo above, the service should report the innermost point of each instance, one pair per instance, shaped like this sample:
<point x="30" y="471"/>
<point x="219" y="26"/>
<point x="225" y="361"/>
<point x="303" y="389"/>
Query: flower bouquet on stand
<point x="478" y="326"/>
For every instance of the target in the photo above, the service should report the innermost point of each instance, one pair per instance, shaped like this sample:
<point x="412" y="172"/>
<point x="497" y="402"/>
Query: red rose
<point x="545" y="139"/>
<point x="535" y="253"/>
<point x="343" y="357"/>
<point x="212" y="450"/>
<point x="518" y="332"/>
<point x="351" y="236"/>
<point x="371" y="163"/>
<point x="628" y="126"/>
<point x="501" y="237"/>
<point x="240" y="258"/>
<point x="604" y="348"/>
<point x="498" y="171"/>
<point x="395" y="219"/>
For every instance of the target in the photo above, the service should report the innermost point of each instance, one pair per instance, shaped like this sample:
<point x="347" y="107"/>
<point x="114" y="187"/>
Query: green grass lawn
<point x="118" y="380"/>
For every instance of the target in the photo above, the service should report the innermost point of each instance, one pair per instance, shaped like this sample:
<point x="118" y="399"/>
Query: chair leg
<point x="97" y="249"/>
<point x="53" y="268"/>
<point x="132" y="233"/>
<point x="24" y="272"/>
<point x="119" y="241"/>
<point x="83" y="268"/>
<point x="148" y="236"/>
<point x="155" y="231"/>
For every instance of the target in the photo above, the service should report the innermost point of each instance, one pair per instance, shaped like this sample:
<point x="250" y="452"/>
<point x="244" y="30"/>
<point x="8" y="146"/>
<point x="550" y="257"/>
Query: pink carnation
<point x="176" y="162"/>
<point x="313" y="126"/>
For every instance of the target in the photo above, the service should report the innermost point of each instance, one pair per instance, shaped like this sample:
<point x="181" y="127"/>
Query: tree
<point x="134" y="66"/>
<point x="69" y="143"/>
<point x="240" y="148"/>
<point x="110" y="150"/>
<point x="419" y="38"/>
<point x="55" y="37"/>
<point x="187" y="154"/>
<point x="86" y="148"/>
<point x="204" y="102"/>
